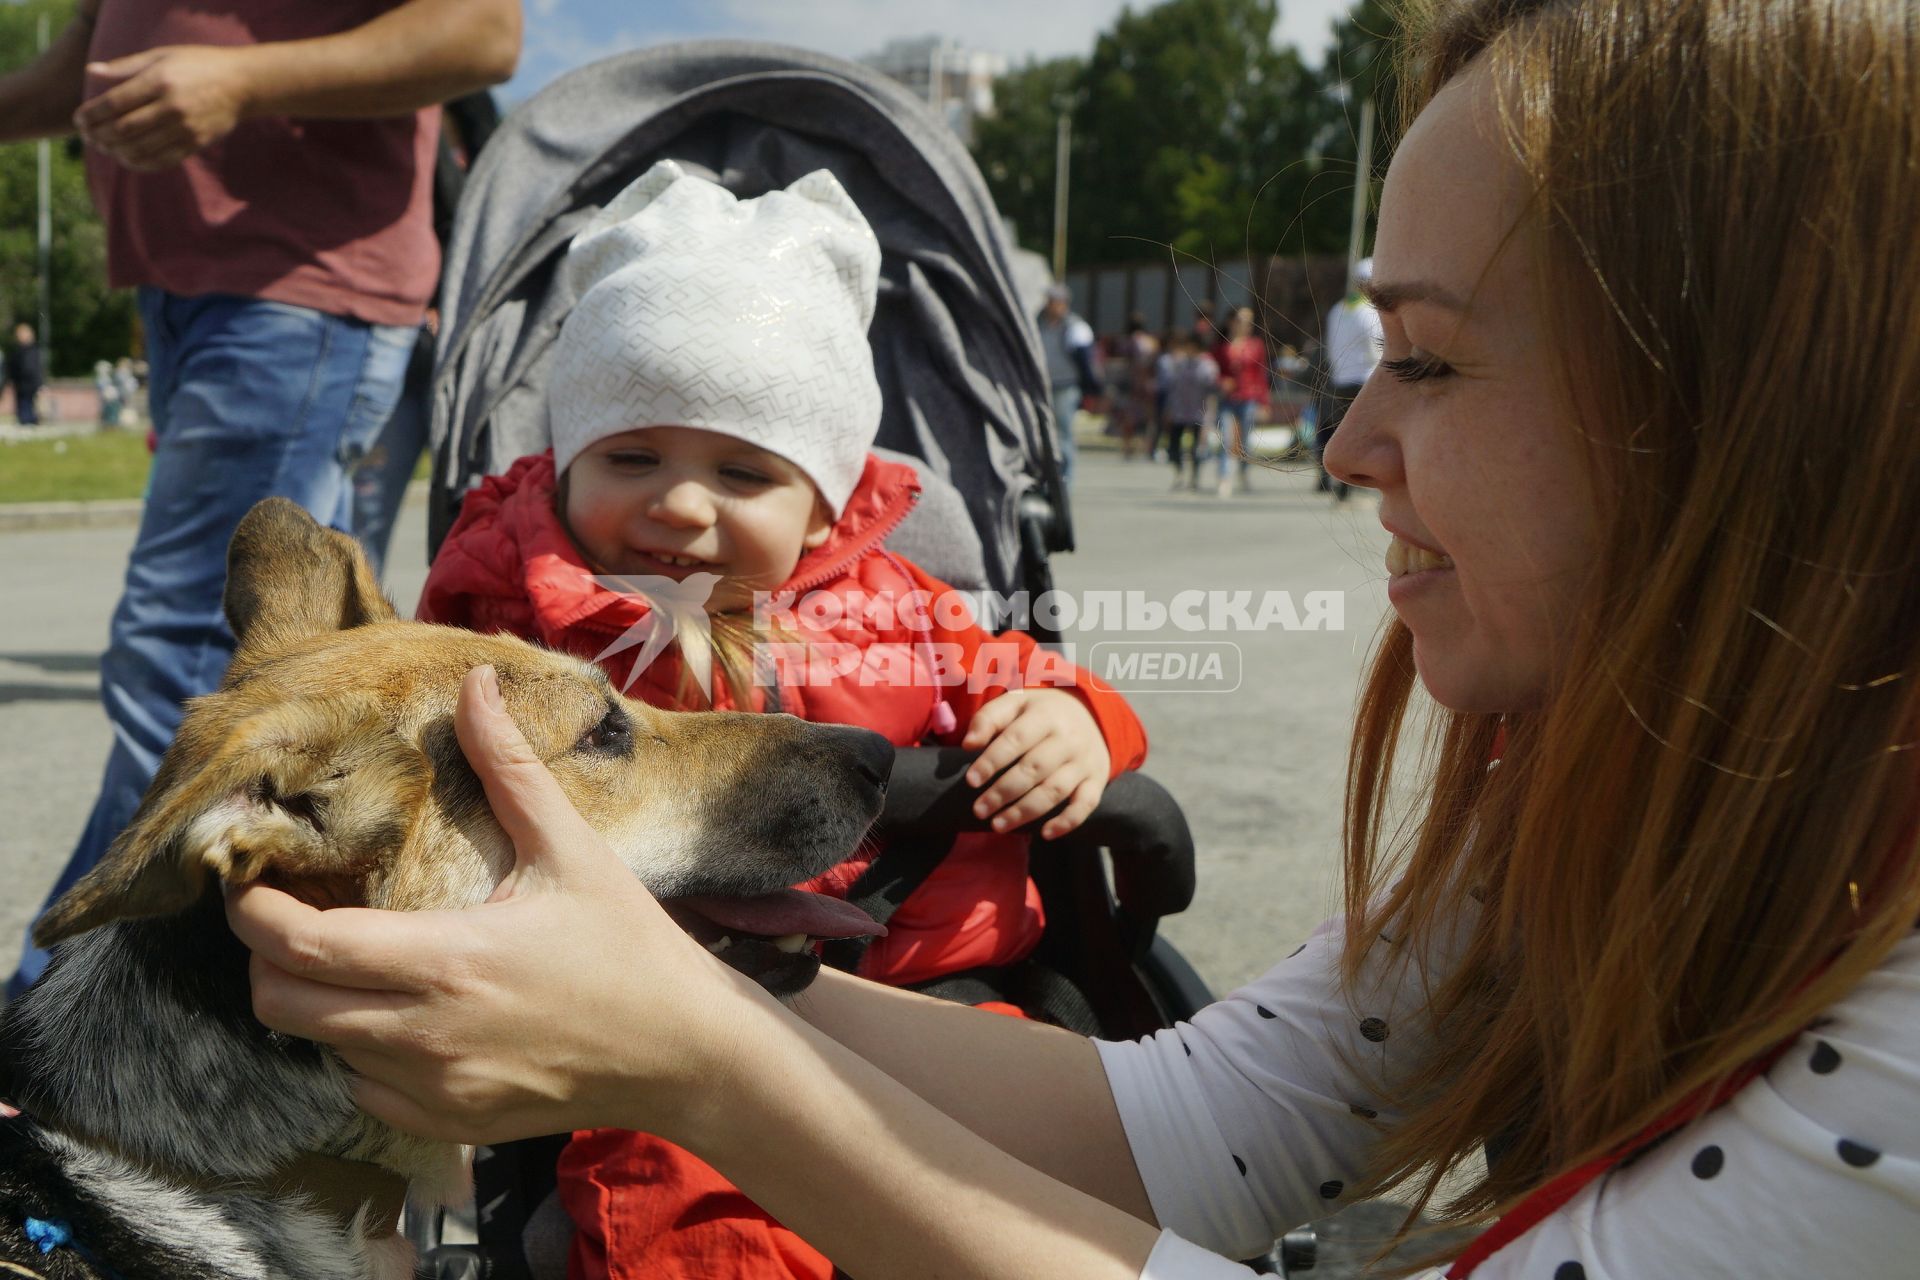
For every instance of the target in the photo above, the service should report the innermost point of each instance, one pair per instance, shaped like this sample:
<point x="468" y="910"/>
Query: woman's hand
<point x="568" y="1000"/>
<point x="1043" y="748"/>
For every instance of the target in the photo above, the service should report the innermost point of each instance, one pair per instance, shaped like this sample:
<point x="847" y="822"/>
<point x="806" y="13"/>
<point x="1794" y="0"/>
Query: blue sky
<point x="563" y="34"/>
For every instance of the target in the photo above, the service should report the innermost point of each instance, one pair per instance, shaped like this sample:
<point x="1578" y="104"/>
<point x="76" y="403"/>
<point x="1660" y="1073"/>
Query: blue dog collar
<point x="51" y="1234"/>
<point x="48" y="1235"/>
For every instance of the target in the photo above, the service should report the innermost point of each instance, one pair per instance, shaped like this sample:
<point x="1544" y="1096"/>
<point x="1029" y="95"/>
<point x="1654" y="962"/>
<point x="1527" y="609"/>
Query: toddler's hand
<point x="1045" y="748"/>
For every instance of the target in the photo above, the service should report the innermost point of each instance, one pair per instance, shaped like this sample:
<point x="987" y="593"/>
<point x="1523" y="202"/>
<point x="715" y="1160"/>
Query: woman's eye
<point x="1416" y="368"/>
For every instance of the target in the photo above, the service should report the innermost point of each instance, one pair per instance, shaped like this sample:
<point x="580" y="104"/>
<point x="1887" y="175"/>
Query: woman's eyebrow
<point x="1391" y="296"/>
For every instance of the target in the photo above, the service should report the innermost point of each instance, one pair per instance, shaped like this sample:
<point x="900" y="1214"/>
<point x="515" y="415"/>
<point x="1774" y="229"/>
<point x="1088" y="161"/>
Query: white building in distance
<point x="955" y="81"/>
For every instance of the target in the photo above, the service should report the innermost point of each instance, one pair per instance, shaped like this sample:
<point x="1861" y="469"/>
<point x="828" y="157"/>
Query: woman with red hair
<point x="1659" y="962"/>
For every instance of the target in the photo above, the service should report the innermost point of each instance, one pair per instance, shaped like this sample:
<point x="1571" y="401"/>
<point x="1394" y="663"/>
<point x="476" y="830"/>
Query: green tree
<point x="1192" y="132"/>
<point x="90" y="321"/>
<point x="1362" y="58"/>
<point x="1360" y="68"/>
<point x="1015" y="147"/>
<point x="1197" y="131"/>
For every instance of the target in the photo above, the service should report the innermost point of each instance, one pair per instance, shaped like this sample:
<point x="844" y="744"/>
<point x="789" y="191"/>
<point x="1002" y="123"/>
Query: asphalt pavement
<point x="1253" y="746"/>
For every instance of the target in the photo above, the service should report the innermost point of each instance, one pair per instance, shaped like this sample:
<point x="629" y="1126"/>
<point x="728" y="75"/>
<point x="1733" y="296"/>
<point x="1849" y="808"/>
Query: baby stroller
<point x="965" y="398"/>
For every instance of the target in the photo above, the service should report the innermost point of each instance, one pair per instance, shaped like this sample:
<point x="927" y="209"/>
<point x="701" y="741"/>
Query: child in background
<point x="712" y="404"/>
<point x="1192" y="381"/>
<point x="109" y="393"/>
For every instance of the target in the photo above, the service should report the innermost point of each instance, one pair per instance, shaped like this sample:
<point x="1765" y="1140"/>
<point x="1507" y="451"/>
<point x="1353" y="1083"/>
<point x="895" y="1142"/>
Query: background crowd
<point x="1203" y="393"/>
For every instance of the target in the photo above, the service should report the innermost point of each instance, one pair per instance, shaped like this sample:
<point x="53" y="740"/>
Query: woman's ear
<point x="819" y="525"/>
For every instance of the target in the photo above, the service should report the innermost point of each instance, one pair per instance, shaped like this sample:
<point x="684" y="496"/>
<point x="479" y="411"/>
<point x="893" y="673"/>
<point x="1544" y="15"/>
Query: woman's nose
<point x="684" y="504"/>
<point x="1361" y="452"/>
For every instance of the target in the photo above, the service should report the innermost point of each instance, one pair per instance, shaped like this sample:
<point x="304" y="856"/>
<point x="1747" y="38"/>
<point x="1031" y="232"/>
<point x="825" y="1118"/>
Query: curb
<point x="69" y="515"/>
<point x="110" y="513"/>
<point x="66" y="429"/>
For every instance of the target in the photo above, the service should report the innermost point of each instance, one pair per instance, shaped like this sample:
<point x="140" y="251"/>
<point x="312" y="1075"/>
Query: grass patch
<point x="105" y="464"/>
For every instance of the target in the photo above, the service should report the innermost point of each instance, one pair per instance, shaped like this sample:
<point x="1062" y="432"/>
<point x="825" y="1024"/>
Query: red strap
<point x="1546" y="1200"/>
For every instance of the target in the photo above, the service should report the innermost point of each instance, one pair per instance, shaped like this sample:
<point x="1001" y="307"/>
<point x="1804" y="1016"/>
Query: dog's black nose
<point x="870" y="754"/>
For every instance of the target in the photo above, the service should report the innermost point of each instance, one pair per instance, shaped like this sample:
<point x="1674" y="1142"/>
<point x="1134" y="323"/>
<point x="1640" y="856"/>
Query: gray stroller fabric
<point x="956" y="353"/>
<point x="938" y="534"/>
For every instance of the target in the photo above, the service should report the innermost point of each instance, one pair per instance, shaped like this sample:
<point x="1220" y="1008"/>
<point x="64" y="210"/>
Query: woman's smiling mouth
<point x="1412" y="568"/>
<point x="1404" y="557"/>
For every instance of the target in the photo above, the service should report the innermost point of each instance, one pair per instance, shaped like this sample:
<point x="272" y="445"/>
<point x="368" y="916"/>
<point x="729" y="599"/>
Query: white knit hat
<point x="747" y="317"/>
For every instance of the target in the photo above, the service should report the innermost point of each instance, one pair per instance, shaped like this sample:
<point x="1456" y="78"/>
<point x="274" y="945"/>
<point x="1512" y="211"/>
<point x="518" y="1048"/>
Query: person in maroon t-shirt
<point x="264" y="170"/>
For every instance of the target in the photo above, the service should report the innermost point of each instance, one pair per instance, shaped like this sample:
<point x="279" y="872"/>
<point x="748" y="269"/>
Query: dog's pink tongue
<point x="775" y="915"/>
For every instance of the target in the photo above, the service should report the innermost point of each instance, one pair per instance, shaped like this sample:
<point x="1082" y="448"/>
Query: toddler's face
<point x="675" y="501"/>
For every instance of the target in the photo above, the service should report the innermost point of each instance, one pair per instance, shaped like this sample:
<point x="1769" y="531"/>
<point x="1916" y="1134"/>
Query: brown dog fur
<point x="326" y="764"/>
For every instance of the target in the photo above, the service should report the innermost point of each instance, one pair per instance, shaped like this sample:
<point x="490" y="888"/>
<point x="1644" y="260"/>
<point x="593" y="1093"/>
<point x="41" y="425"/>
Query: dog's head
<point x="326" y="764"/>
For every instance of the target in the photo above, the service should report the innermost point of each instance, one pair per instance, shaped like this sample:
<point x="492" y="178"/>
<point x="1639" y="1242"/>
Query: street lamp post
<point x="1362" y="190"/>
<point x="1062" y="150"/>
<point x="46" y="232"/>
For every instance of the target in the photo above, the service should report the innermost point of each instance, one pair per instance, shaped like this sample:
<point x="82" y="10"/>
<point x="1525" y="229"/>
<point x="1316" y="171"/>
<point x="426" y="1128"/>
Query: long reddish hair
<point x="1704" y="833"/>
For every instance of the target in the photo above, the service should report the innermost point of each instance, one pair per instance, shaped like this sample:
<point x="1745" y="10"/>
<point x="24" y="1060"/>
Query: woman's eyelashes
<point x="1416" y="367"/>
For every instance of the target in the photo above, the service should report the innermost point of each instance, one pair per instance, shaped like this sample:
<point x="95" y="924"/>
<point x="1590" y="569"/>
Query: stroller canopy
<point x="956" y="353"/>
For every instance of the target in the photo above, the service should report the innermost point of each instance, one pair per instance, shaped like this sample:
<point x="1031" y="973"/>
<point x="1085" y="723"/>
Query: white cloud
<point x="1017" y="28"/>
<point x="1308" y="25"/>
<point x="558" y="43"/>
<point x="853" y="27"/>
<point x="564" y="34"/>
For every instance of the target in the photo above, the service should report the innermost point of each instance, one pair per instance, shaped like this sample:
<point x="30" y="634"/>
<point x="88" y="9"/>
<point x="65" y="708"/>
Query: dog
<point x="164" y="1132"/>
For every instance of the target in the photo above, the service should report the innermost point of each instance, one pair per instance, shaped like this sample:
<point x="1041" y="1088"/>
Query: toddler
<point x="713" y="403"/>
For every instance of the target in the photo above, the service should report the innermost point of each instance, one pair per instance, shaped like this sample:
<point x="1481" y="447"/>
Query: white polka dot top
<point x="1256" y="1116"/>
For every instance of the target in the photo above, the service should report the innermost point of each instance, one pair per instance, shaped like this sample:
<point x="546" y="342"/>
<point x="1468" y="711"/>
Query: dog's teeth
<point x="792" y="944"/>
<point x="719" y="946"/>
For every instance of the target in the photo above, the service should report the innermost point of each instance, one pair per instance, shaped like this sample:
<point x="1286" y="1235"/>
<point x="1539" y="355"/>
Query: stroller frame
<point x="965" y="399"/>
<point x="957" y="356"/>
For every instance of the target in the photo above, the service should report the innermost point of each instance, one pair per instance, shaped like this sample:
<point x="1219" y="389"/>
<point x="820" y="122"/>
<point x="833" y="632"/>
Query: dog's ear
<point x="288" y="579"/>
<point x="317" y="800"/>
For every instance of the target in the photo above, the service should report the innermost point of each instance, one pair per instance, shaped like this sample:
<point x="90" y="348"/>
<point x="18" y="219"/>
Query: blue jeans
<point x="1066" y="403"/>
<point x="1237" y="416"/>
<point x="250" y="399"/>
<point x="380" y="478"/>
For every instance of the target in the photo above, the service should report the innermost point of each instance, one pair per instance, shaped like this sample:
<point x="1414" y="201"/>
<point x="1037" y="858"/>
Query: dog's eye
<point x="613" y="736"/>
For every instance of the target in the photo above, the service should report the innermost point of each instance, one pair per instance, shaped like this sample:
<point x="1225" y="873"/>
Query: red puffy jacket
<point x="642" y="1206"/>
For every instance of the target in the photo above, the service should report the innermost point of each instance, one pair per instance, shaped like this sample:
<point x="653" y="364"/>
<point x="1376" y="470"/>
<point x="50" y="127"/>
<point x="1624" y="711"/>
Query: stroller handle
<point x="1137" y="822"/>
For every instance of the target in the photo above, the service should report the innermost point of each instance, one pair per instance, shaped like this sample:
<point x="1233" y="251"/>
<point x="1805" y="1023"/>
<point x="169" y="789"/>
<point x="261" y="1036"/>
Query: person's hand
<point x="568" y="1000"/>
<point x="162" y="105"/>
<point x="1043" y="748"/>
